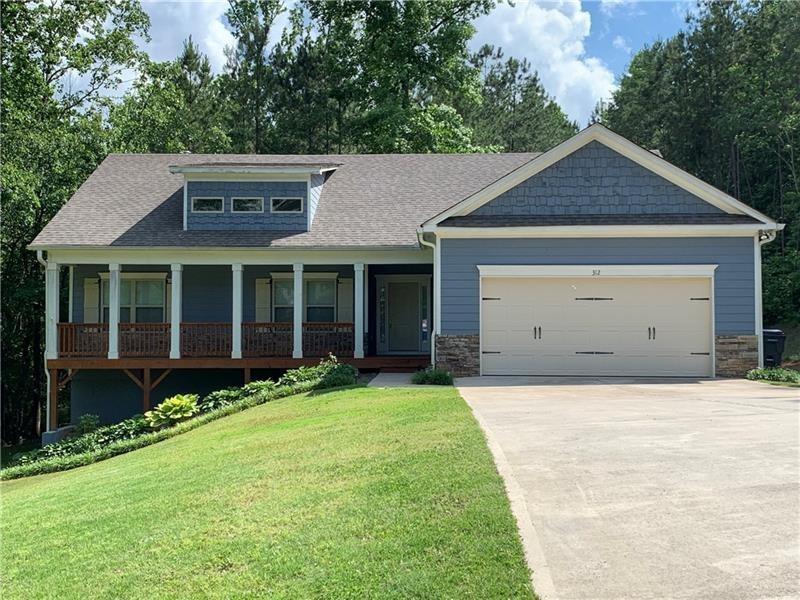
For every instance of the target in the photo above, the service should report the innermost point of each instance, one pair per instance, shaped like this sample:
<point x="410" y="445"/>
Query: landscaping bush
<point x="89" y="442"/>
<point x="87" y="424"/>
<point x="329" y="373"/>
<point x="220" y="399"/>
<point x="258" y="387"/>
<point x="136" y="432"/>
<point x="173" y="410"/>
<point x="775" y="374"/>
<point x="432" y="376"/>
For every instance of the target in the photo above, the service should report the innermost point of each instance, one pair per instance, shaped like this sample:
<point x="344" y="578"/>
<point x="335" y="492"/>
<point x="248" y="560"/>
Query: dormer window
<point x="207" y="205"/>
<point x="247" y="205"/>
<point x="286" y="205"/>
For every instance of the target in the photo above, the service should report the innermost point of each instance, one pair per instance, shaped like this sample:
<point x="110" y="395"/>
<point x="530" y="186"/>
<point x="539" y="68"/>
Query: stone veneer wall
<point x="736" y="354"/>
<point x="459" y="354"/>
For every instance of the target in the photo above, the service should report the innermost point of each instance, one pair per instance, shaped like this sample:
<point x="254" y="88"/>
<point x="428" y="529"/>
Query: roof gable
<point x="647" y="169"/>
<point x="595" y="180"/>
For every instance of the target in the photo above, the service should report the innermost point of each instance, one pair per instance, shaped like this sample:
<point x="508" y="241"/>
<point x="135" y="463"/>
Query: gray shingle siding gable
<point x="734" y="278"/>
<point x="595" y="180"/>
<point x="229" y="220"/>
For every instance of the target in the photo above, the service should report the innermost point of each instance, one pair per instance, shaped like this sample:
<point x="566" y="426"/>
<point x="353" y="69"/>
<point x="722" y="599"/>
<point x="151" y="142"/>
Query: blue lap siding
<point x="231" y="221"/>
<point x="734" y="289"/>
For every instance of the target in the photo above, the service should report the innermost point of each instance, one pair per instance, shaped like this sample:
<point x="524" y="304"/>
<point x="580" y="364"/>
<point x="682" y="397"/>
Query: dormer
<point x="232" y="196"/>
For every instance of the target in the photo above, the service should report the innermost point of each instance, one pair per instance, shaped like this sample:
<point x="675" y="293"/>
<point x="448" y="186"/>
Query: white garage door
<point x="596" y="326"/>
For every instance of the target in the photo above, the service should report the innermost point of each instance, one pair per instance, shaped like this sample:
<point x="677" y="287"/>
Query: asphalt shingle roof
<point x="369" y="200"/>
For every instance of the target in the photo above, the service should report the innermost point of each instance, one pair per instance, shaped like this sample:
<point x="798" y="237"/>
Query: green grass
<point x="360" y="493"/>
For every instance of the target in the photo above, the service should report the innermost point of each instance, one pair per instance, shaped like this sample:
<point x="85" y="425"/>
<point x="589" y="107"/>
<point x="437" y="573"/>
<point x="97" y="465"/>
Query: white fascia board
<point x="227" y="256"/>
<point x="619" y="144"/>
<point x="251" y="170"/>
<point x="589" y="231"/>
<point x="599" y="270"/>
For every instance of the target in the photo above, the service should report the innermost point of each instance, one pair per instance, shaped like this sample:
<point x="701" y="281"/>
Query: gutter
<point x="39" y="257"/>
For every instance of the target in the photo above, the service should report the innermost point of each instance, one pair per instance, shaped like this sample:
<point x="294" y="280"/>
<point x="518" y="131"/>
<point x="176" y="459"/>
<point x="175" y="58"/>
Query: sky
<point x="580" y="49"/>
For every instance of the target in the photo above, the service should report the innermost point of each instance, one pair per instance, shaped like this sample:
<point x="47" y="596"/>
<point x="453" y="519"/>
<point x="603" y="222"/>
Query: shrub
<point x="136" y="432"/>
<point x="87" y="424"/>
<point x="220" y="399"/>
<point x="89" y="442"/>
<point x="329" y="373"/>
<point x="775" y="374"/>
<point x="432" y="376"/>
<point x="172" y="410"/>
<point x="258" y="387"/>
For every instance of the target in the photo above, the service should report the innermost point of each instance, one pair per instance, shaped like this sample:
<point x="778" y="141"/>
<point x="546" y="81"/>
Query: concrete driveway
<point x="628" y="488"/>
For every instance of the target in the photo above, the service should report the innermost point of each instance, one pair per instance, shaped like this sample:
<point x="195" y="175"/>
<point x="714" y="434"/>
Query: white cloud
<point x="551" y="34"/>
<point x="173" y="22"/>
<point x="620" y="44"/>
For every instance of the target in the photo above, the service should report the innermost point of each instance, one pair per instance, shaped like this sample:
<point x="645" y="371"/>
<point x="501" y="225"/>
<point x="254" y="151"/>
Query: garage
<point x="597" y="325"/>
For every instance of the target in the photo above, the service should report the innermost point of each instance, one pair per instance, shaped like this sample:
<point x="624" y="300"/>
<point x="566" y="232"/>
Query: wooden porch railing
<point x="205" y="339"/>
<point x="267" y="339"/>
<point x="321" y="339"/>
<point x="142" y="340"/>
<point x="201" y="340"/>
<point x="82" y="339"/>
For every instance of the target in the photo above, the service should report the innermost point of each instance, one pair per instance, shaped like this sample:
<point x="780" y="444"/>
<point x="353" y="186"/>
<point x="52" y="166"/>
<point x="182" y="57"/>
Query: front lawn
<point x="348" y="494"/>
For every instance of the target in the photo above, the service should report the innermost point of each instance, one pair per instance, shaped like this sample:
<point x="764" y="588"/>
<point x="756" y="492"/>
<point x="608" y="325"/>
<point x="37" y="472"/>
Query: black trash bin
<point x="774" y="340"/>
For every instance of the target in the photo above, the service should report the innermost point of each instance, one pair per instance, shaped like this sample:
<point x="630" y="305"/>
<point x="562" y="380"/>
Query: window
<point x="292" y="205"/>
<point x="140" y="300"/>
<point x="283" y="300"/>
<point x="243" y="205"/>
<point x="208" y="205"/>
<point x="320" y="300"/>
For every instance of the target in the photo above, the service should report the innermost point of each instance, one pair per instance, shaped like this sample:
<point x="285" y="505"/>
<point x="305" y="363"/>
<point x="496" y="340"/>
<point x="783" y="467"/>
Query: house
<point x="598" y="257"/>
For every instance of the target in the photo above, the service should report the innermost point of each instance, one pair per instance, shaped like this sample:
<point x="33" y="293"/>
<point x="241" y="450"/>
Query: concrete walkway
<point x="383" y="379"/>
<point x="627" y="488"/>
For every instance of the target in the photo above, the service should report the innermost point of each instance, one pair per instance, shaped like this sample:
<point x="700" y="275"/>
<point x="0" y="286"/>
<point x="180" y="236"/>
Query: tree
<point x="248" y="73"/>
<point x="58" y="60"/>
<point x="515" y="114"/>
<point x="173" y="107"/>
<point x="722" y="101"/>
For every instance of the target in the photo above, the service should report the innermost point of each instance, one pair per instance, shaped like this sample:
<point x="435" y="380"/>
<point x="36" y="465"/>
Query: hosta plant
<point x="172" y="410"/>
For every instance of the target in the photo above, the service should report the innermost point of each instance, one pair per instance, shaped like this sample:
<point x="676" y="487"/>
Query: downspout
<point x="431" y="325"/>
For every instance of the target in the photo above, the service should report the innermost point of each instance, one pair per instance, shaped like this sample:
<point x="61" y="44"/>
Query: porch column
<point x="51" y="310"/>
<point x="297" y="346"/>
<point x="113" y="310"/>
<point x="358" y="311"/>
<point x="176" y="311"/>
<point x="236" y="320"/>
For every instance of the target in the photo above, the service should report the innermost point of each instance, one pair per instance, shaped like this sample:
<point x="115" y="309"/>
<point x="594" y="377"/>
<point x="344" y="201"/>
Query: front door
<point x="403" y="311"/>
<point x="403" y="316"/>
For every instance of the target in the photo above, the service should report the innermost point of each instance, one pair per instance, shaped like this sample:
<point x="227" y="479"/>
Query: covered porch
<point x="148" y="320"/>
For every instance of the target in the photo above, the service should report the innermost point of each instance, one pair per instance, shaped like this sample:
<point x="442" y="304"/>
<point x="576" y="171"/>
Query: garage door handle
<point x="649" y="333"/>
<point x="537" y="332"/>
<point x="654" y="333"/>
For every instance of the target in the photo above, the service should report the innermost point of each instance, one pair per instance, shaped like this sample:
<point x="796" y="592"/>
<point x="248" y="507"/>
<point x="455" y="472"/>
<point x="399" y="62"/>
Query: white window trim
<point x="133" y="306"/>
<point x="288" y="212"/>
<point x="208" y="212"/>
<point x="235" y="198"/>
